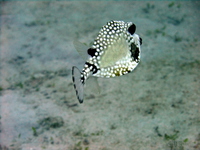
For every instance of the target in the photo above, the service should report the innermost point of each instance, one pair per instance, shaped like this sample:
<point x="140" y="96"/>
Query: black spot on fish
<point x="134" y="52"/>
<point x="82" y="79"/>
<point x="140" y="41"/>
<point x="132" y="29"/>
<point x="94" y="68"/>
<point x="91" y="51"/>
<point x="128" y="71"/>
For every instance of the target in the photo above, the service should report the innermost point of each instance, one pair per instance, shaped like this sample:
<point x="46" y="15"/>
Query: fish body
<point x="115" y="52"/>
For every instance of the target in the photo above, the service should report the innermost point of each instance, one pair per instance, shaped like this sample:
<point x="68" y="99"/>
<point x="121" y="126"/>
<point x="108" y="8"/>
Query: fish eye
<point x="132" y="29"/>
<point x="91" y="51"/>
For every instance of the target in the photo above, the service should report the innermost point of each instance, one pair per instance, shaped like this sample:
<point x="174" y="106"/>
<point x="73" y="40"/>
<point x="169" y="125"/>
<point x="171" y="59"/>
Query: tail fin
<point x="78" y="85"/>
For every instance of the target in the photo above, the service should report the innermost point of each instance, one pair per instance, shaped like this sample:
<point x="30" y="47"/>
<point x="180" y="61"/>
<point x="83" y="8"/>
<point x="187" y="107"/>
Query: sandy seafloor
<point x="156" y="107"/>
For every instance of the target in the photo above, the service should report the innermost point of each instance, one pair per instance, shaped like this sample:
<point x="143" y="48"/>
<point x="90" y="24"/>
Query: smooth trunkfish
<point x="115" y="52"/>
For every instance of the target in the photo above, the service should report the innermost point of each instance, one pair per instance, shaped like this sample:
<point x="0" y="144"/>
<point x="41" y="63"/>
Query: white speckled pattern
<point x="113" y="51"/>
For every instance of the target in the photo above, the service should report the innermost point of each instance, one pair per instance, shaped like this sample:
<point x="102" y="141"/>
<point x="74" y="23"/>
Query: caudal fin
<point x="78" y="85"/>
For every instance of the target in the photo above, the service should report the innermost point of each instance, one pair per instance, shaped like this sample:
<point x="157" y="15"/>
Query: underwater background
<point x="156" y="107"/>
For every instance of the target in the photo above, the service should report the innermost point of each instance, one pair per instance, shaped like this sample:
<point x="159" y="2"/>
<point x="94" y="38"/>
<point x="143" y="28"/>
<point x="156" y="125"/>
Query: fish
<point x="115" y="52"/>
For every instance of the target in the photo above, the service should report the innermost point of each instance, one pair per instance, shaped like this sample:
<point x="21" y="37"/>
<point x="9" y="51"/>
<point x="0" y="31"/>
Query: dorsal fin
<point x="81" y="49"/>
